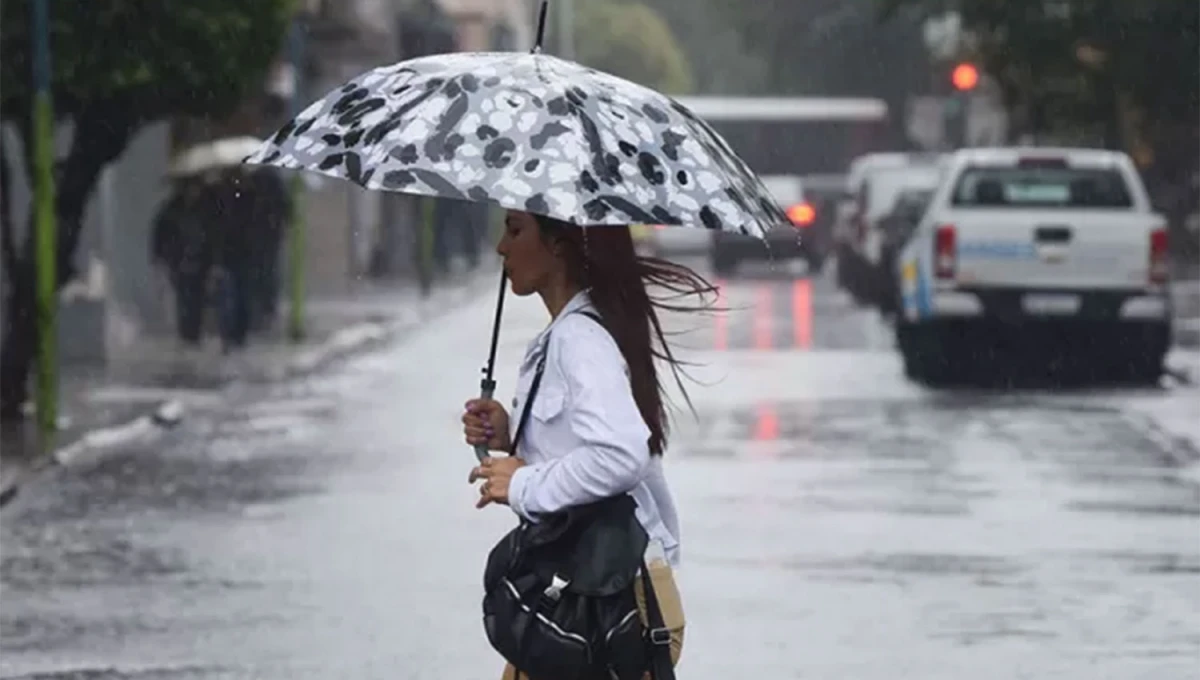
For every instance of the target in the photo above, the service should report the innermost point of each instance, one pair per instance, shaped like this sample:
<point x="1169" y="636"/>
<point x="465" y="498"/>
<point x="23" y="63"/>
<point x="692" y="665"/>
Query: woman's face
<point x="530" y="262"/>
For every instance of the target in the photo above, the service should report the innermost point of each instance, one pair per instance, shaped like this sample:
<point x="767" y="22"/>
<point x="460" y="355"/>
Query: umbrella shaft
<point x="487" y="389"/>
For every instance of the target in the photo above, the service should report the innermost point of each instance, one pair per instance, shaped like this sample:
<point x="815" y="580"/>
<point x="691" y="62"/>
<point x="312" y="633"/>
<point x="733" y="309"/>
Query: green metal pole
<point x="425" y="244"/>
<point x="45" y="224"/>
<point x="297" y="250"/>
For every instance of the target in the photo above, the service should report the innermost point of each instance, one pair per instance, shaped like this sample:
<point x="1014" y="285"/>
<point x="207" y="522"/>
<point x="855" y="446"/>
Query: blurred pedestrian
<point x="233" y="227"/>
<point x="271" y="208"/>
<point x="182" y="243"/>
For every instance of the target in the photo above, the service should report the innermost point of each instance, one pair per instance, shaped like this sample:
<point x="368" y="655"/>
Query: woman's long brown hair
<point x="603" y="260"/>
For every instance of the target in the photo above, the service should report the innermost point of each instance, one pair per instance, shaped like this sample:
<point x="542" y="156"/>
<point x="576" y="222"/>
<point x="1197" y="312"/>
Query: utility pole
<point x="45" y="223"/>
<point x="297" y="251"/>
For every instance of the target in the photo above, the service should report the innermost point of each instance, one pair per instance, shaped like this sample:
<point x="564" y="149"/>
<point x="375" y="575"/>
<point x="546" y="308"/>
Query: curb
<point x="354" y="339"/>
<point x="363" y="336"/>
<point x="95" y="442"/>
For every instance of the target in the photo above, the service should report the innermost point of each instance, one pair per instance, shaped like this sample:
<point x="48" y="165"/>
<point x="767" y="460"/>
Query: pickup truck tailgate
<point x="1059" y="249"/>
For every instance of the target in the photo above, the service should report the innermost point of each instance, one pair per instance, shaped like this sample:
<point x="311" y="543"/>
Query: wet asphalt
<point x="839" y="521"/>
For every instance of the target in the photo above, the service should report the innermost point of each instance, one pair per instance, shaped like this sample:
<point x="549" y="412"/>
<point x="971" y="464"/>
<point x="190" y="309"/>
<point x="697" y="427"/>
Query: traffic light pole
<point x="45" y="225"/>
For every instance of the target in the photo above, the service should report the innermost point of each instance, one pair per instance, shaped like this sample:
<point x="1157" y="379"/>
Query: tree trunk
<point x="20" y="344"/>
<point x="101" y="134"/>
<point x="16" y="304"/>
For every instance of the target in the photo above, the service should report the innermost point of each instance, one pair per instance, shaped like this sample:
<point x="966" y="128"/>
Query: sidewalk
<point x="144" y="389"/>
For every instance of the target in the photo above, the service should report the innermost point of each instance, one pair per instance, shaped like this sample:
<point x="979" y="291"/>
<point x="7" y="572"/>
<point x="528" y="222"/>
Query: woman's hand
<point x="496" y="473"/>
<point x="486" y="422"/>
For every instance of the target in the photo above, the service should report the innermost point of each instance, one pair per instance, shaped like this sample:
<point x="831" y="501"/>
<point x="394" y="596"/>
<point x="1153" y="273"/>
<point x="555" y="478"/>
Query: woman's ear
<point x="556" y="246"/>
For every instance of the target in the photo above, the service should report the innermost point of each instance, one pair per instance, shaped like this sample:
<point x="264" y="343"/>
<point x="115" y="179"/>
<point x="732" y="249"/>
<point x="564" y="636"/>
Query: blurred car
<point x="856" y="209"/>
<point x="1036" y="249"/>
<point x="787" y="241"/>
<point x="895" y="228"/>
<point x="881" y="189"/>
<point x="667" y="241"/>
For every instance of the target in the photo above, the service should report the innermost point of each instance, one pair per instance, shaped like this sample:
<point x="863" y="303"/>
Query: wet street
<point x="839" y="521"/>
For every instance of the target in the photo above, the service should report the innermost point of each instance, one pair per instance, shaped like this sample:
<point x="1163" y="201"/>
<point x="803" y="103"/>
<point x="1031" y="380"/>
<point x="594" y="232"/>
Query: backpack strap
<point x="537" y="383"/>
<point x="527" y="408"/>
<point x="657" y="635"/>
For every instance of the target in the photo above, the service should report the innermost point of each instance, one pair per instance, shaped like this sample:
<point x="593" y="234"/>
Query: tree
<point x="117" y="66"/>
<point x="826" y="48"/>
<point x="1086" y="65"/>
<point x="631" y="40"/>
<point x="716" y="49"/>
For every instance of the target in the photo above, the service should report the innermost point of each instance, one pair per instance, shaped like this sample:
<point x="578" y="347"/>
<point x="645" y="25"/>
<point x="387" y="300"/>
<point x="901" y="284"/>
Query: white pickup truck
<point x="1039" y="252"/>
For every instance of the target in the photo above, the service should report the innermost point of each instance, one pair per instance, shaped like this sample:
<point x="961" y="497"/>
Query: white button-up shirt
<point x="585" y="438"/>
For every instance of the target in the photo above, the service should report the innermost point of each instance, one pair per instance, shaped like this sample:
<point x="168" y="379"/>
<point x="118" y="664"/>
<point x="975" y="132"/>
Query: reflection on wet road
<point x="776" y="315"/>
<point x="838" y="521"/>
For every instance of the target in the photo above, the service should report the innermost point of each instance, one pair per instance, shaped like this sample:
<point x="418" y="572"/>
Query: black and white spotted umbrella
<point x="529" y="132"/>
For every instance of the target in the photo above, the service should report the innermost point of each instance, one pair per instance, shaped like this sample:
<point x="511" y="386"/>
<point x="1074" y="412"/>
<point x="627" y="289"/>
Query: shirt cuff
<point x="516" y="491"/>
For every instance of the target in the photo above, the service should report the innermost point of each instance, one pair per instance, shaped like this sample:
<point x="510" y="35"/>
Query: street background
<point x="837" y="518"/>
<point x="298" y="508"/>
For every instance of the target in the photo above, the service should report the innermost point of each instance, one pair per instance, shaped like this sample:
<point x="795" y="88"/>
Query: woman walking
<point x="598" y="424"/>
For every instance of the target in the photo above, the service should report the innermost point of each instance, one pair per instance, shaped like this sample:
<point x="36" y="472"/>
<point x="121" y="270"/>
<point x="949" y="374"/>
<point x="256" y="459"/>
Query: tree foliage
<point x="629" y="39"/>
<point x="806" y="48"/>
<point x="1086" y="64"/>
<point x="828" y="47"/>
<point x="116" y="66"/>
<point x="159" y="57"/>
<point x="717" y="49"/>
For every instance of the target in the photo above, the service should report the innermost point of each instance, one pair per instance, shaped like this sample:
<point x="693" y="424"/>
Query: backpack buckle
<point x="659" y="636"/>
<point x="554" y="591"/>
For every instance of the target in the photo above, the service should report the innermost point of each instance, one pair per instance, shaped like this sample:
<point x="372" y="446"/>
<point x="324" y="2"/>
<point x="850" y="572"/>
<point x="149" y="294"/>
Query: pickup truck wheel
<point x="930" y="356"/>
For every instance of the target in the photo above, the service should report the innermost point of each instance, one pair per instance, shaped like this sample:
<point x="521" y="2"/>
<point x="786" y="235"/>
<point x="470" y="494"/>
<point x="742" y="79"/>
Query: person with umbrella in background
<point x="182" y="243"/>
<point x="238" y="232"/>
<point x="583" y="587"/>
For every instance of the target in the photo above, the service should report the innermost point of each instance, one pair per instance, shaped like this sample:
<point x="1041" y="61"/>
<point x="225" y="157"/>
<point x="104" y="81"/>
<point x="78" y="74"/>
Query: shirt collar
<point x="581" y="302"/>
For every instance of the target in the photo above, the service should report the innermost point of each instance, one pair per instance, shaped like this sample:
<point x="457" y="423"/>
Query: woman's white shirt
<point x="585" y="438"/>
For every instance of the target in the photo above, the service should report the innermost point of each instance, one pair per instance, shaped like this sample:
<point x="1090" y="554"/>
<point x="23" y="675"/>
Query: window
<point x="1041" y="187"/>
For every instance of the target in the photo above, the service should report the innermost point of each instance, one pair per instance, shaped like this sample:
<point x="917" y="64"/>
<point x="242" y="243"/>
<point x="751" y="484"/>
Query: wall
<point x="115" y="296"/>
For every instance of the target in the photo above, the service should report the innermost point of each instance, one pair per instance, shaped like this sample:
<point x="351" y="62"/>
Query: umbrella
<point x="220" y="153"/>
<point x="528" y="132"/>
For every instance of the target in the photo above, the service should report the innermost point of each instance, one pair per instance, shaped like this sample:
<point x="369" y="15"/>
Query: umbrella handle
<point x="487" y="389"/>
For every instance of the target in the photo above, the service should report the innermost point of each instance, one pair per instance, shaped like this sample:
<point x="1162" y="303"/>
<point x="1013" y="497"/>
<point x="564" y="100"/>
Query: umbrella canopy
<point x="220" y="153"/>
<point x="528" y="132"/>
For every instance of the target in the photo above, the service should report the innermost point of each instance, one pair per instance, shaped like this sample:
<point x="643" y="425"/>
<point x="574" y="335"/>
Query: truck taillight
<point x="1159" y="263"/>
<point x="945" y="253"/>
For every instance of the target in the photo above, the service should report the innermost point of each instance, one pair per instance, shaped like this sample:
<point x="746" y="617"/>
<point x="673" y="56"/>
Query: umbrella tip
<point x="541" y="26"/>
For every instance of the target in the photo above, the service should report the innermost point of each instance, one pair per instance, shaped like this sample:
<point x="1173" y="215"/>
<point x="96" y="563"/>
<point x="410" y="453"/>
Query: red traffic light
<point x="965" y="77"/>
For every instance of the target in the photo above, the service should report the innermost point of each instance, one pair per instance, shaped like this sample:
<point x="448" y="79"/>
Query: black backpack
<point x="559" y="594"/>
